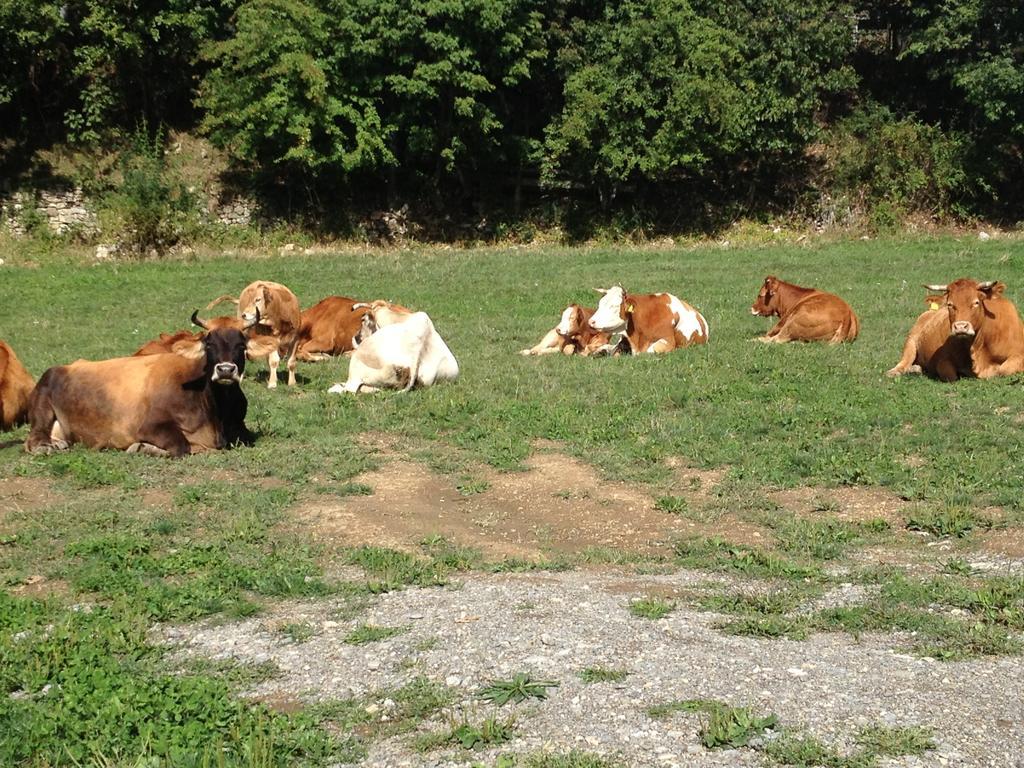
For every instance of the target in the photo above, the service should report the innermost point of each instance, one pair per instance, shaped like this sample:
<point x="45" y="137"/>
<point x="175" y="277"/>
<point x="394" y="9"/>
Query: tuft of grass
<point x="949" y="521"/>
<point x="368" y="633"/>
<point x="351" y="489"/>
<point x="767" y="626"/>
<point x="519" y="688"/>
<point x="820" y="539"/>
<point x="470" y="486"/>
<point x="715" y="554"/>
<point x="801" y="751"/>
<point x="723" y="726"/>
<point x="573" y="759"/>
<point x="651" y="608"/>
<point x="886" y="741"/>
<point x="298" y="632"/>
<point x="467" y="735"/>
<point x="673" y="505"/>
<point x="957" y="566"/>
<point x="602" y="675"/>
<point x="389" y="569"/>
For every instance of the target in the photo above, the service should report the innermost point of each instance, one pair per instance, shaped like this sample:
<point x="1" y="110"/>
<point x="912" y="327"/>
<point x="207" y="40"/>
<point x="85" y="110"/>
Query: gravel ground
<point x="554" y="625"/>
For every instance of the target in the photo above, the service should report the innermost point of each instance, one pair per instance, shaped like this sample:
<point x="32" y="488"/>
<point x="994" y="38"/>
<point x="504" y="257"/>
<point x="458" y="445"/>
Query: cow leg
<point x="164" y="439"/>
<point x="273" y="360"/>
<point x="549" y="344"/>
<point x="291" y="365"/>
<point x="45" y="435"/>
<point x="906" y="363"/>
<point x="660" y="347"/>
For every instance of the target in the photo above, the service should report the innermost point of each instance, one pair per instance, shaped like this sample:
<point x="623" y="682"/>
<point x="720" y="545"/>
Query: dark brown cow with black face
<point x="15" y="387"/>
<point x="171" y="404"/>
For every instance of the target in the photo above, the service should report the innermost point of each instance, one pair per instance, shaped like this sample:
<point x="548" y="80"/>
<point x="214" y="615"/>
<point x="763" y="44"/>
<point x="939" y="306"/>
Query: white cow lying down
<point x="399" y="356"/>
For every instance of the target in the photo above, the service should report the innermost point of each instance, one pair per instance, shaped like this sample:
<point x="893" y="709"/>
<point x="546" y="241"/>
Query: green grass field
<point x="146" y="540"/>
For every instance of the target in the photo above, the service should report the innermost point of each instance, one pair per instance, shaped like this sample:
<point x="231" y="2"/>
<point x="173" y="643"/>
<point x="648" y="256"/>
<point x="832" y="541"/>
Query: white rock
<point x="983" y="235"/>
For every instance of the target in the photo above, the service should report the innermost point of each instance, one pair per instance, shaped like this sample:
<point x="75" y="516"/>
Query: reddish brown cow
<point x="572" y="335"/>
<point x="805" y="314"/>
<point x="15" y="387"/>
<point x="273" y="317"/>
<point x="329" y="328"/>
<point x="167" y="341"/>
<point x="932" y="350"/>
<point x="980" y="316"/>
<point x="655" y="322"/>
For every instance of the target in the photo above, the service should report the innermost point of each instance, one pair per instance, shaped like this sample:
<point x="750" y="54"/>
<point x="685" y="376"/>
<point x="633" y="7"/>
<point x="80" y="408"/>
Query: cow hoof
<point x="272" y="385"/>
<point x="525" y="352"/>
<point x="894" y="372"/>
<point x="338" y="389"/>
<point x="147" y="449"/>
<point x="45" y="449"/>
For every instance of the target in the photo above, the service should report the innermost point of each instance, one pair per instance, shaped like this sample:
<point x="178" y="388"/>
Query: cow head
<point x="966" y="300"/>
<point x="225" y="356"/>
<point x="260" y="307"/>
<point x="572" y="322"/>
<point x="367" y="328"/>
<point x="384" y="312"/>
<point x="767" y="304"/>
<point x="612" y="311"/>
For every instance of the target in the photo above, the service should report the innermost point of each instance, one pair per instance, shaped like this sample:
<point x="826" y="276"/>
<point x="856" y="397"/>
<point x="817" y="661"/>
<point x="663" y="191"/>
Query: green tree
<point x="278" y="95"/>
<point x="659" y="90"/>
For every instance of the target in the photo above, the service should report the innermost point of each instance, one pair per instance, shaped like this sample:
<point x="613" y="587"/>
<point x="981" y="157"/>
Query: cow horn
<point x="988" y="285"/>
<point x="360" y="305"/>
<point x="601" y="290"/>
<point x="219" y="299"/>
<point x="935" y="288"/>
<point x="197" y="321"/>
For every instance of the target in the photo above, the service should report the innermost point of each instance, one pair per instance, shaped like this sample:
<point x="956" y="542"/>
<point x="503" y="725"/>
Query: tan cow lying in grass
<point x="805" y="314"/>
<point x="973" y="331"/>
<point x="572" y="335"/>
<point x="272" y="317"/>
<point x="329" y="328"/>
<point x="16" y="385"/>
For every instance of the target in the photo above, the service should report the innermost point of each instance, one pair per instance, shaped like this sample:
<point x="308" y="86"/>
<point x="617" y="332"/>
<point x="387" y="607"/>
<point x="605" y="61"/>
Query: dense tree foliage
<point x="457" y="101"/>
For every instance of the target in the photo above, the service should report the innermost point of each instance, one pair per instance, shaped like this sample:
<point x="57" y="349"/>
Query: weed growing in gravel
<point x="489" y="733"/>
<point x="470" y="486"/>
<point x="723" y="726"/>
<point x="767" y="626"/>
<point x="367" y="633"/>
<point x="673" y="505"/>
<point x="298" y="632"/>
<point x="957" y="566"/>
<point x="884" y="741"/>
<point x="450" y="555"/>
<point x="239" y="675"/>
<point x="731" y="727"/>
<point x="602" y="675"/>
<point x="651" y="608"/>
<point x="948" y="521"/>
<point x="519" y="688"/>
<point x="388" y="569"/>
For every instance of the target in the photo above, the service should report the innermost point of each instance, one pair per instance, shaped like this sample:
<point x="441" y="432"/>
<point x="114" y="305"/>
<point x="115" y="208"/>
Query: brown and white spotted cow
<point x="652" y="322"/>
<point x="977" y="319"/>
<point x="572" y="335"/>
<point x="271" y="314"/>
<point x="805" y="314"/>
<point x="15" y="388"/>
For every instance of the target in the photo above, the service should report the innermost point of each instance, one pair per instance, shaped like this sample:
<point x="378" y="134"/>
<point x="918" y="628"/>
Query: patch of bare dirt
<point x="560" y="505"/>
<point x="23" y="494"/>
<point x="1006" y="542"/>
<point x="40" y="587"/>
<point x="850" y="503"/>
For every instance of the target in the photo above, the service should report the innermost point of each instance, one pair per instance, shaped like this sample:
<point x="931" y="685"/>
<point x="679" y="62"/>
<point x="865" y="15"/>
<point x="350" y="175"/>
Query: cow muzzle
<point x="962" y="328"/>
<point x="225" y="373"/>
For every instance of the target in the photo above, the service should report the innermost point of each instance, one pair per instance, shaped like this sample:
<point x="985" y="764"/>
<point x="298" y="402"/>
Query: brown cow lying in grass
<point x="170" y="404"/>
<point x="15" y="387"/>
<point x="972" y="331"/>
<point x="572" y="335"/>
<point x="805" y="314"/>
<point x="329" y="328"/>
<point x="167" y="341"/>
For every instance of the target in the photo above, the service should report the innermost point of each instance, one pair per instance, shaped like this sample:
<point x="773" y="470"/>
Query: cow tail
<point x="854" y="327"/>
<point x="219" y="299"/>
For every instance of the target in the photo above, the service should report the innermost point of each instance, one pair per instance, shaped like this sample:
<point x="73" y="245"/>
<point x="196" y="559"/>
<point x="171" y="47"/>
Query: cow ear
<point x="267" y="295"/>
<point x="191" y="349"/>
<point x="934" y="302"/>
